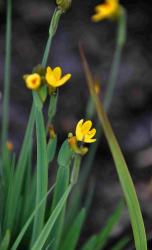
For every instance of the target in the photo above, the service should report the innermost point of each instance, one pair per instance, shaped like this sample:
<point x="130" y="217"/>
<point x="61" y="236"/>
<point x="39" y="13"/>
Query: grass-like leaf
<point x="15" y="186"/>
<point x="72" y="237"/>
<point x="90" y="244"/>
<point x="42" y="172"/>
<point x="121" y="166"/>
<point x="121" y="244"/>
<point x="103" y="236"/>
<point x="5" y="241"/>
<point x="7" y="75"/>
<point x="98" y="241"/>
<point x="39" y="243"/>
<point x="25" y="227"/>
<point x="62" y="182"/>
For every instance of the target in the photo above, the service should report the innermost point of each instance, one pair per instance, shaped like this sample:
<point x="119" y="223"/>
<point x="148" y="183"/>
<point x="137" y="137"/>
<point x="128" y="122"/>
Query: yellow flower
<point x="109" y="9"/>
<point x="54" y="77"/>
<point x="83" y="132"/>
<point x="33" y="81"/>
<point x="73" y="143"/>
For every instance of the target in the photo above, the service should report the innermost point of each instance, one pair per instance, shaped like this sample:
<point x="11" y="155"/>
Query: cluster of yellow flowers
<point x="52" y="77"/>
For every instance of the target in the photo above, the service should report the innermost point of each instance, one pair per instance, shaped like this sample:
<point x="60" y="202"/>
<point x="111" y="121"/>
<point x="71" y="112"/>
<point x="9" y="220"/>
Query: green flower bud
<point x="64" y="5"/>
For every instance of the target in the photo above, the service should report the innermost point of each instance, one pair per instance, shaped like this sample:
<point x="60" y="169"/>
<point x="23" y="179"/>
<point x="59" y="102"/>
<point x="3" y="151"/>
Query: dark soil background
<point x="131" y="109"/>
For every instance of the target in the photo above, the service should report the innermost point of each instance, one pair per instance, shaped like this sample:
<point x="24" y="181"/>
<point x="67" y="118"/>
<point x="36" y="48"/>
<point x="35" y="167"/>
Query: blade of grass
<point x="120" y="42"/>
<point x="15" y="188"/>
<point x="103" y="236"/>
<point x="5" y="111"/>
<point x="121" y="244"/>
<point x="42" y="172"/>
<point x="5" y="241"/>
<point x="121" y="166"/>
<point x="16" y="183"/>
<point x="90" y="244"/>
<point x="62" y="182"/>
<point x="99" y="241"/>
<point x="72" y="237"/>
<point x="39" y="243"/>
<point x="6" y="90"/>
<point x="25" y="227"/>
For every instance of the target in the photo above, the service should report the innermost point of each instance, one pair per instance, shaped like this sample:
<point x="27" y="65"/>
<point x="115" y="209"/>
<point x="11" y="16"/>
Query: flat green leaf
<point x="62" y="182"/>
<point x="103" y="236"/>
<point x="121" y="167"/>
<point x="7" y="79"/>
<point x="39" y="243"/>
<point x="121" y="244"/>
<point x="43" y="93"/>
<point x="15" y="186"/>
<point x="99" y="241"/>
<point x="90" y="244"/>
<point x="65" y="154"/>
<point x="5" y="241"/>
<point x="25" y="227"/>
<point x="42" y="173"/>
<point x="72" y="237"/>
<point x="37" y="101"/>
<point x="51" y="148"/>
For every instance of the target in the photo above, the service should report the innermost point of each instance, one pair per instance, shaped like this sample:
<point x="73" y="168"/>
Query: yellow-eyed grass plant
<point x="28" y="217"/>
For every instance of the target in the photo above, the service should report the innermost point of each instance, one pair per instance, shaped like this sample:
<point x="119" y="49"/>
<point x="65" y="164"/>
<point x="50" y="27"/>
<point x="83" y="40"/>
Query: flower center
<point x="34" y="81"/>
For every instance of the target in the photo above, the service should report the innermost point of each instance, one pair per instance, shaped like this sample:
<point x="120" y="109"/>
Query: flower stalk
<point x="52" y="30"/>
<point x="7" y="69"/>
<point x="120" y="42"/>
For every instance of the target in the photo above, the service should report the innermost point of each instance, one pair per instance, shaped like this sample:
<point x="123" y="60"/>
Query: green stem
<point x="5" y="111"/>
<point x="52" y="30"/>
<point x="121" y="38"/>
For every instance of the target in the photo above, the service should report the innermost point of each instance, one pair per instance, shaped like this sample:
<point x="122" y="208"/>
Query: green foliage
<point x="30" y="217"/>
<point x="121" y="166"/>
<point x="97" y="242"/>
<point x="72" y="237"/>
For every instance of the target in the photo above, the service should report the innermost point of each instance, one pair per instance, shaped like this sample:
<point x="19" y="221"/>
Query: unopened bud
<point x="51" y="131"/>
<point x="64" y="5"/>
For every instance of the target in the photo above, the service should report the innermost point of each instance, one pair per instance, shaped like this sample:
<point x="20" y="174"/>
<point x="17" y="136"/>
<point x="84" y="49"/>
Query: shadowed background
<point x="131" y="108"/>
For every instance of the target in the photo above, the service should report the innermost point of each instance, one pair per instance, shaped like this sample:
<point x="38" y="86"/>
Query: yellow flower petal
<point x="97" y="17"/>
<point x="109" y="9"/>
<point x="78" y="130"/>
<point x="57" y="72"/>
<point x="86" y="126"/>
<point x="89" y="140"/>
<point x="49" y="70"/>
<point x="98" y="7"/>
<point x="63" y="80"/>
<point x="50" y="78"/>
<point x="112" y="1"/>
<point x="33" y="81"/>
<point x="91" y="133"/>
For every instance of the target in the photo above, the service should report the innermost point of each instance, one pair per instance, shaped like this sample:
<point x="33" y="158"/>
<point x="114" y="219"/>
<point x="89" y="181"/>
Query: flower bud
<point x="64" y="5"/>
